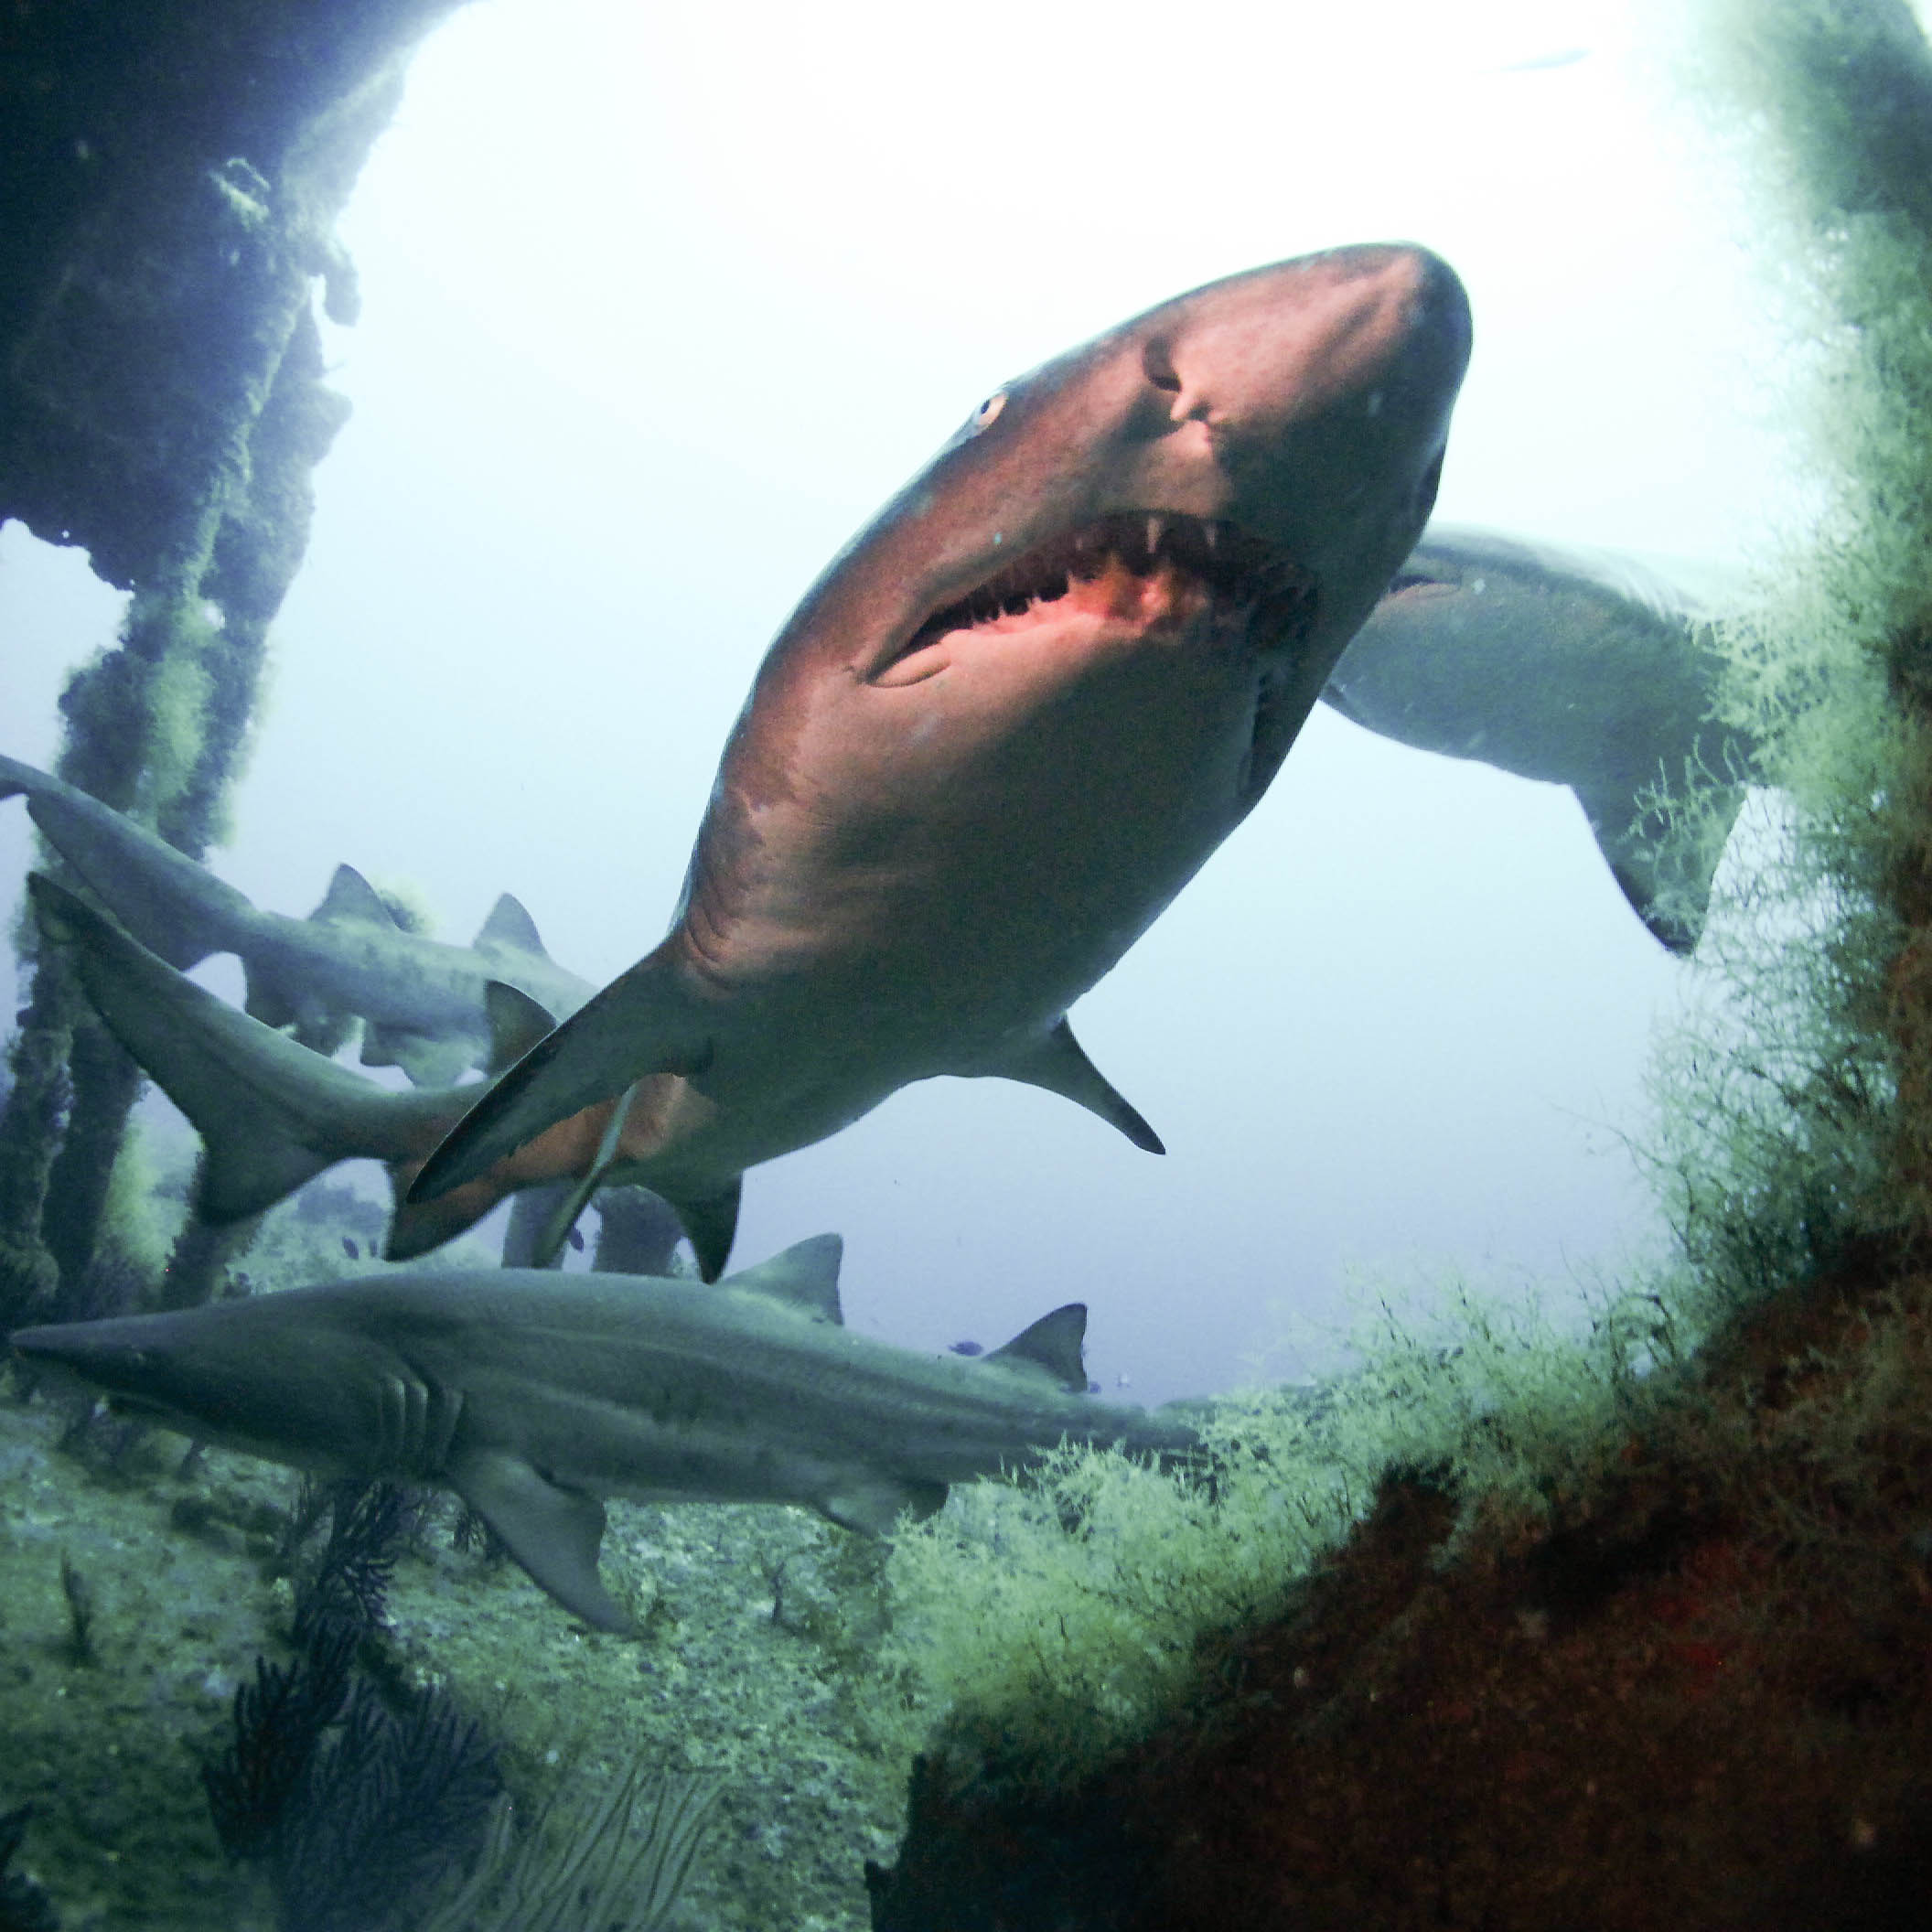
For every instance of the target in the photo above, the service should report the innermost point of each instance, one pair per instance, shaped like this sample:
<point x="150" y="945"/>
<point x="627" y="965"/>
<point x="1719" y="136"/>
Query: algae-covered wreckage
<point x="1503" y="1630"/>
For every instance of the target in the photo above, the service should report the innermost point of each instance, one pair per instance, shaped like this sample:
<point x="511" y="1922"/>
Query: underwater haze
<point x="658" y="305"/>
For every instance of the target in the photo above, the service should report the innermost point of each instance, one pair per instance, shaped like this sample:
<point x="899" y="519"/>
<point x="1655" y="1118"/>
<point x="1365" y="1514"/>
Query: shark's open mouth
<point x="1242" y="578"/>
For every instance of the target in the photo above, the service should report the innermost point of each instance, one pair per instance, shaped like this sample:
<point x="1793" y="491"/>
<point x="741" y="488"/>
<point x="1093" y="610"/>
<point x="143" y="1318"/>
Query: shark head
<point x="237" y="1375"/>
<point x="1237" y="472"/>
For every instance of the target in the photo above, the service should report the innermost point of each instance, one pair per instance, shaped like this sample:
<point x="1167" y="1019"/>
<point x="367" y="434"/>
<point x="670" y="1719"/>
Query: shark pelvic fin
<point x="642" y="1022"/>
<point x="712" y="1225"/>
<point x="553" y="1533"/>
<point x="805" y="1277"/>
<point x="351" y="899"/>
<point x="429" y="1061"/>
<point x="1056" y="1062"/>
<point x="516" y="1023"/>
<point x="576" y="1198"/>
<point x="509" y="925"/>
<point x="873" y="1507"/>
<point x="1051" y="1346"/>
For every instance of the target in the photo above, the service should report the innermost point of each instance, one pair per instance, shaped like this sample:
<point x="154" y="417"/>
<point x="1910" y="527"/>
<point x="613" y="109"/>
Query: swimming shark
<point x="1580" y="668"/>
<point x="271" y="1114"/>
<point x="1005" y="728"/>
<point x="421" y="1002"/>
<point x="536" y="1395"/>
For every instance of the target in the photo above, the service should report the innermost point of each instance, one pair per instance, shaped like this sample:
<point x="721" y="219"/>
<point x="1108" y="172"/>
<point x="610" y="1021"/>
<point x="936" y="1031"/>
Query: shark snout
<point x="1382" y="327"/>
<point x="93" y="1349"/>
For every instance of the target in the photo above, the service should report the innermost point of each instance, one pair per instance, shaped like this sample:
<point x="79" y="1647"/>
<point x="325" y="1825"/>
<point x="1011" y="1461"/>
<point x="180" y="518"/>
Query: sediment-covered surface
<point x="1700" y="1694"/>
<point x="748" y="1618"/>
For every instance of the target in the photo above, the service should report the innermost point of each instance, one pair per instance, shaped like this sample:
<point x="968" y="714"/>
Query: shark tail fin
<point x="270" y="1113"/>
<point x="1058" y="1063"/>
<point x="175" y="908"/>
<point x="642" y="1022"/>
<point x="1664" y="872"/>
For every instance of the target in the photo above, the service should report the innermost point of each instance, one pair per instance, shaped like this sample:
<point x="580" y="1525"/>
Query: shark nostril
<point x="1157" y="364"/>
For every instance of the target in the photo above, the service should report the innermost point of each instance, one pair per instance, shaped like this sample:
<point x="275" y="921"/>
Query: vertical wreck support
<point x="172" y="190"/>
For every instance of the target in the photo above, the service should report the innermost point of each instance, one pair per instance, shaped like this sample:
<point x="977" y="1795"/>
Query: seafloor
<point x="748" y="1616"/>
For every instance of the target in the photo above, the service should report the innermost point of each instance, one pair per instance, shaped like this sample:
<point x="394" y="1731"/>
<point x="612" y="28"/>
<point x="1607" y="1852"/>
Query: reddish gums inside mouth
<point x="1236" y="572"/>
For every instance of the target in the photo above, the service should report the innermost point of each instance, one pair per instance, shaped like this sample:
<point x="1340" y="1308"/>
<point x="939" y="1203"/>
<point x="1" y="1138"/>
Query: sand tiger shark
<point x="1580" y="668"/>
<point x="271" y="1113"/>
<point x="536" y="1395"/>
<point x="1005" y="728"/>
<point x="421" y="1002"/>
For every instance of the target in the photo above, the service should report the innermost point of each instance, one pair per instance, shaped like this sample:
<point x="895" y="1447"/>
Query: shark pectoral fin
<point x="516" y="1023"/>
<point x="642" y="1022"/>
<point x="711" y="1224"/>
<point x="1058" y="1063"/>
<point x="351" y="899"/>
<point x="554" y="1534"/>
<point x="875" y="1504"/>
<point x="1052" y="1346"/>
<point x="509" y="924"/>
<point x="805" y="1277"/>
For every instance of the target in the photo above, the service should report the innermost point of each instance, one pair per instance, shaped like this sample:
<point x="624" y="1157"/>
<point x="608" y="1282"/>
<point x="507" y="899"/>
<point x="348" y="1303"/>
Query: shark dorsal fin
<point x="351" y="899"/>
<point x="516" y="1023"/>
<point x="805" y="1278"/>
<point x="510" y="924"/>
<point x="1052" y="1346"/>
<point x="1057" y="1063"/>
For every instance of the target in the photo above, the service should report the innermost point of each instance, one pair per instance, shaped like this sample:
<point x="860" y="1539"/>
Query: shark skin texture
<point x="421" y="1002"/>
<point x="534" y="1396"/>
<point x="1579" y="668"/>
<point x="1009" y="722"/>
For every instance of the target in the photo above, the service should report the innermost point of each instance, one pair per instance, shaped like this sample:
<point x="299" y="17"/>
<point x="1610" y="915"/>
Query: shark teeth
<point x="1239" y="570"/>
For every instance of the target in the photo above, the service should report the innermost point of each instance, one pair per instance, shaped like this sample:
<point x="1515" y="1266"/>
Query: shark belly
<point x="953" y="865"/>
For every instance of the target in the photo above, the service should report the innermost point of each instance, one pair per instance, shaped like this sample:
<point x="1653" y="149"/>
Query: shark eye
<point x="987" y="414"/>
